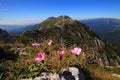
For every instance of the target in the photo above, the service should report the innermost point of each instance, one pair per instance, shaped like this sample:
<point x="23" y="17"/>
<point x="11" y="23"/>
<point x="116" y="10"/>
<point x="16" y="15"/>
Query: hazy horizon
<point x="35" y="11"/>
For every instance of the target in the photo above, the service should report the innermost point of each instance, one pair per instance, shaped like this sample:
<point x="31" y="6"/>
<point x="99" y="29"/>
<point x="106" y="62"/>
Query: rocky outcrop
<point x="19" y="51"/>
<point x="70" y="73"/>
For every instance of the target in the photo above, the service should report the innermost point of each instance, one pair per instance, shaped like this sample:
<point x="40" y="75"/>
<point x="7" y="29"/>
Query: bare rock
<point x="20" y="51"/>
<point x="72" y="73"/>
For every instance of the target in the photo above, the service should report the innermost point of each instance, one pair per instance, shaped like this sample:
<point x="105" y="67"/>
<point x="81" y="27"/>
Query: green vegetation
<point x="66" y="34"/>
<point x="25" y="67"/>
<point x="111" y="36"/>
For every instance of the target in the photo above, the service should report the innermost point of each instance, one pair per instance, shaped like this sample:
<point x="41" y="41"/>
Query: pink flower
<point x="40" y="57"/>
<point x="37" y="59"/>
<point x="36" y="44"/>
<point x="76" y="51"/>
<point x="61" y="52"/>
<point x="50" y="42"/>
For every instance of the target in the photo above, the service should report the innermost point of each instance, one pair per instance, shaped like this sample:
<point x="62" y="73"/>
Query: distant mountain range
<point x="102" y="24"/>
<point x="106" y="28"/>
<point x="17" y="29"/>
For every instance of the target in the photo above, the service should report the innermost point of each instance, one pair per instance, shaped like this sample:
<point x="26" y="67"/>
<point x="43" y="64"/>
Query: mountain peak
<point x="55" y="21"/>
<point x="64" y="17"/>
<point x="59" y="17"/>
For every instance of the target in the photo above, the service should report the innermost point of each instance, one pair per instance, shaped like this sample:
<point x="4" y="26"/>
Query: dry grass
<point x="102" y="74"/>
<point x="54" y="63"/>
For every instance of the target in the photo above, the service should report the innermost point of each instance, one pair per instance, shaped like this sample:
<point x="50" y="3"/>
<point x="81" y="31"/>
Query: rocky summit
<point x="68" y="32"/>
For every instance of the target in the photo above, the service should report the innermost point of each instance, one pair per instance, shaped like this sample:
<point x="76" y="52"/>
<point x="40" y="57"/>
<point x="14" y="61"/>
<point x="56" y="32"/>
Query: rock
<point x="99" y="43"/>
<point x="106" y="61"/>
<point x="48" y="76"/>
<point x="20" y="51"/>
<point x="70" y="73"/>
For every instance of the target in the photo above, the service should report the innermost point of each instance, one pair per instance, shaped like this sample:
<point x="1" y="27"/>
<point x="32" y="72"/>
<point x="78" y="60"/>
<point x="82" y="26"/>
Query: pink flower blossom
<point x="37" y="59"/>
<point x="61" y="52"/>
<point x="36" y="44"/>
<point x="50" y="42"/>
<point x="76" y="51"/>
<point x="40" y="57"/>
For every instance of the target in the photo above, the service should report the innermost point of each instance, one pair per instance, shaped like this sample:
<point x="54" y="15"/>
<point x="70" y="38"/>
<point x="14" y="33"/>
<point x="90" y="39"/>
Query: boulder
<point x="20" y="51"/>
<point x="70" y="73"/>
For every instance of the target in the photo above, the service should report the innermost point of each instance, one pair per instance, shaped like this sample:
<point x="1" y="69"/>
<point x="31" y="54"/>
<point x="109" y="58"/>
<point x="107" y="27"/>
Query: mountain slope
<point x="4" y="36"/>
<point x="67" y="32"/>
<point x="101" y="24"/>
<point x="107" y="28"/>
<point x="112" y="36"/>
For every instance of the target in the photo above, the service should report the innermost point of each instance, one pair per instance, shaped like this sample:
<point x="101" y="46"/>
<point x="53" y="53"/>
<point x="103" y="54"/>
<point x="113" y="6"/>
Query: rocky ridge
<point x="67" y="32"/>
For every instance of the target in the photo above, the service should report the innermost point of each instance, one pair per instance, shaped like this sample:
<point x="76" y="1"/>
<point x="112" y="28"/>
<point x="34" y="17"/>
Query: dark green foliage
<point x="111" y="36"/>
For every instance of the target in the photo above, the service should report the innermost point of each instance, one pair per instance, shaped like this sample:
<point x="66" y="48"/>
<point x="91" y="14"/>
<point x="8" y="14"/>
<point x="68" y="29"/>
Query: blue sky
<point x="35" y="11"/>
